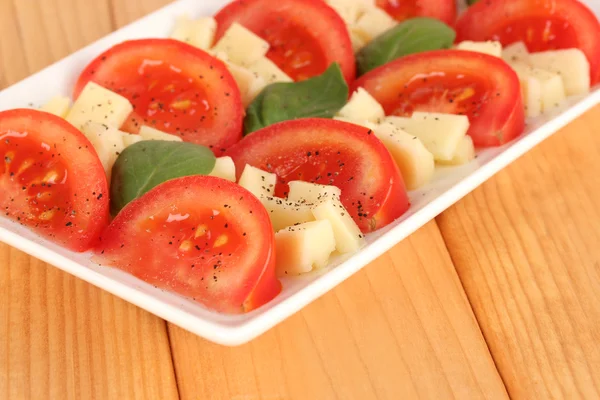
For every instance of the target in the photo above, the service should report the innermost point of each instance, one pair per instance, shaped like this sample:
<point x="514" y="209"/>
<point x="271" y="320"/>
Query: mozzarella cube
<point x="148" y="133"/>
<point x="551" y="92"/>
<point x="302" y="247"/>
<point x="241" y="45"/>
<point x="183" y="29"/>
<point x="100" y="105"/>
<point x="269" y="71"/>
<point x="129" y="139"/>
<point x="415" y="162"/>
<point x="257" y="85"/>
<point x="348" y="237"/>
<point x="362" y="107"/>
<point x="311" y="193"/>
<point x="258" y="182"/>
<point x="107" y="141"/>
<point x="220" y="55"/>
<point x="203" y="33"/>
<point x="439" y="133"/>
<point x="465" y="152"/>
<point x="373" y="23"/>
<point x="531" y="89"/>
<point x="358" y="42"/>
<point x="490" y="47"/>
<point x="516" y="52"/>
<point x="224" y="168"/>
<point x="58" y="105"/>
<point x="571" y="64"/>
<point x="285" y="213"/>
<point x="348" y="10"/>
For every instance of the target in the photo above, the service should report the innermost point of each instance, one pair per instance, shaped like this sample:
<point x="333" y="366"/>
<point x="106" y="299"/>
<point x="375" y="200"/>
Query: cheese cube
<point x="100" y="105"/>
<point x="284" y="213"/>
<point x="302" y="247"/>
<point x="531" y="89"/>
<point x="224" y="168"/>
<point x="148" y="133"/>
<point x="439" y="133"/>
<point x="203" y="33"/>
<point x="415" y="162"/>
<point x="348" y="237"/>
<point x="58" y="105"/>
<point x="183" y="29"/>
<point x="362" y="107"/>
<point x="373" y="23"/>
<point x="358" y="42"/>
<point x="241" y="45"/>
<point x="490" y="47"/>
<point x="551" y="92"/>
<point x="571" y="64"/>
<point x="311" y="193"/>
<point x="258" y="182"/>
<point x="107" y="141"/>
<point x="348" y="10"/>
<point x="516" y="52"/>
<point x="257" y="85"/>
<point x="465" y="152"/>
<point x="269" y="71"/>
<point x="129" y="139"/>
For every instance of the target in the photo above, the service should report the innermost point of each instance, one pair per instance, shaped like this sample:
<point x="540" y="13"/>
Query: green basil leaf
<point x="318" y="97"/>
<point x="414" y="35"/>
<point x="146" y="164"/>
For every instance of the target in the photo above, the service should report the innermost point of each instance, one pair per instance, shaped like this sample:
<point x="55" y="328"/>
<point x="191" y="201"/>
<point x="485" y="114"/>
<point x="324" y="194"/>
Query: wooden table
<point x="499" y="296"/>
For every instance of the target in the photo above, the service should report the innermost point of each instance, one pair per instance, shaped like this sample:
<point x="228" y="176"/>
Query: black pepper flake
<point x="69" y="223"/>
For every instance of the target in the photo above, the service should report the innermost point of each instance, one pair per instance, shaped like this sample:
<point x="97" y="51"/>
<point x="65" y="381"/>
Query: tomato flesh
<point x="334" y="153"/>
<point x="401" y="10"/>
<point x="53" y="181"/>
<point x="173" y="87"/>
<point x="541" y="24"/>
<point x="218" y="251"/>
<point x="306" y="36"/>
<point x="480" y="86"/>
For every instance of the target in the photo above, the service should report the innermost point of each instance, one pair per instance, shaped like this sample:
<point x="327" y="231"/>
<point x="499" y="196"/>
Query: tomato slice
<point x="173" y="87"/>
<point x="444" y="10"/>
<point x="540" y="24"/>
<point x="306" y="36"/>
<point x="53" y="181"/>
<point x="480" y="86"/>
<point x="330" y="152"/>
<point x="202" y="237"/>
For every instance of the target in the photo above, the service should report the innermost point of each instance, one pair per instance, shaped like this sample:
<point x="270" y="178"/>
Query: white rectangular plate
<point x="450" y="185"/>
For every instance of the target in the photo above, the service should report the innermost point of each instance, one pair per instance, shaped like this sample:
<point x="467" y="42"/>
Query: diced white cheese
<point x="551" y="92"/>
<point x="285" y="213"/>
<point x="348" y="237"/>
<point x="129" y="139"/>
<point x="311" y="193"/>
<point x="260" y="183"/>
<point x="224" y="168"/>
<point x="257" y="85"/>
<point x="220" y="55"/>
<point x="349" y="10"/>
<point x="241" y="45"/>
<point x="415" y="162"/>
<point x="302" y="247"/>
<point x="490" y="47"/>
<point x="100" y="105"/>
<point x="107" y="141"/>
<point x="358" y="42"/>
<point x="465" y="152"/>
<point x="203" y="33"/>
<point x="269" y="71"/>
<point x="439" y="133"/>
<point x="183" y="29"/>
<point x="516" y="52"/>
<point x="248" y="83"/>
<point x="362" y="107"/>
<point x="531" y="89"/>
<point x="373" y="23"/>
<point x="148" y="133"/>
<point x="571" y="64"/>
<point x="58" y="105"/>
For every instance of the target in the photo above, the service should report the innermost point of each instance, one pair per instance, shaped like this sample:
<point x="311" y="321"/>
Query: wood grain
<point x="61" y="338"/>
<point x="526" y="247"/>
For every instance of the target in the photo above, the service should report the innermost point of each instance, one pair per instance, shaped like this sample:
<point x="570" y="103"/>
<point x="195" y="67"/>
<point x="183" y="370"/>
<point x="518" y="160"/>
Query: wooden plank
<point x="401" y="328"/>
<point x="60" y="337"/>
<point x="526" y="248"/>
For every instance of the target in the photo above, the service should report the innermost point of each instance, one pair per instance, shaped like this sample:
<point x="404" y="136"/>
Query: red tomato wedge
<point x="306" y="36"/>
<point x="444" y="10"/>
<point x="202" y="237"/>
<point x="330" y="152"/>
<point x="173" y="87"/>
<point x="540" y="24"/>
<point x="53" y="181"/>
<point x="480" y="86"/>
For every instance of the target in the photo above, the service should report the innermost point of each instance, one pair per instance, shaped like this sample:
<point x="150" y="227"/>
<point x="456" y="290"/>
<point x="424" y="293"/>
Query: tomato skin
<point x="444" y="10"/>
<point x="493" y="111"/>
<point x="156" y="239"/>
<point x="554" y="24"/>
<point x="53" y="181"/>
<point x="316" y="34"/>
<point x="330" y="152"/>
<point x="203" y="104"/>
